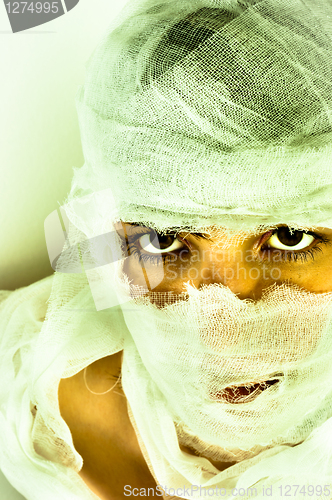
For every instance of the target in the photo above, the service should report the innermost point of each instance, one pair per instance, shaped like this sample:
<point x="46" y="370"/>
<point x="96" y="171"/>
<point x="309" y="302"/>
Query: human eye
<point x="157" y="245"/>
<point x="154" y="247"/>
<point x="293" y="245"/>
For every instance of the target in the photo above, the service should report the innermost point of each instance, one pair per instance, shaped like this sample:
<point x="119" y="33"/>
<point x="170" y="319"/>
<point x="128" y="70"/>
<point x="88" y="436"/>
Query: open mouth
<point x="236" y="394"/>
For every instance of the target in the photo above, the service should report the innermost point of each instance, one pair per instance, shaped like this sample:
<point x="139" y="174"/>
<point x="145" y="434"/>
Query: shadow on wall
<point x="42" y="69"/>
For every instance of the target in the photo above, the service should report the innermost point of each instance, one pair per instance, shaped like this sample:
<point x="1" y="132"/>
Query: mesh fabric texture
<point x="193" y="114"/>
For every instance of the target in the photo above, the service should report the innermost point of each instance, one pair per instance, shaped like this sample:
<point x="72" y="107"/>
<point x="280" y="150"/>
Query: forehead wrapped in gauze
<point x="211" y="112"/>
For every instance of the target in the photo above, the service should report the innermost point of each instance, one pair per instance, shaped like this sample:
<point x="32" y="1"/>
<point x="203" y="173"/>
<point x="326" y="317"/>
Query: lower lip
<point x="242" y="394"/>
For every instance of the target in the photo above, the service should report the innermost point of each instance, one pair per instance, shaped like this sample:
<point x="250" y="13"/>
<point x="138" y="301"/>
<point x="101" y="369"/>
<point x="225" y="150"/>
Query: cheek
<point x="167" y="281"/>
<point x="315" y="278"/>
<point x="134" y="272"/>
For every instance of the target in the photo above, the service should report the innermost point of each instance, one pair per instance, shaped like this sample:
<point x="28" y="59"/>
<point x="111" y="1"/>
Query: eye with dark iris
<point x="149" y="245"/>
<point x="167" y="243"/>
<point x="284" y="239"/>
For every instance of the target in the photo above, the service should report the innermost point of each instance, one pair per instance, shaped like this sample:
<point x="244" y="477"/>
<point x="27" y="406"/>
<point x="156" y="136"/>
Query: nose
<point x="245" y="278"/>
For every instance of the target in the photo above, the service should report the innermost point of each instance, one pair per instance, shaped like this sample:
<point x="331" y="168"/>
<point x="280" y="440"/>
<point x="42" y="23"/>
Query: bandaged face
<point x="212" y="130"/>
<point x="252" y="310"/>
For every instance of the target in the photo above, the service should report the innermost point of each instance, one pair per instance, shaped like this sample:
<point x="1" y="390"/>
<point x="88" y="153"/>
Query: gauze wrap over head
<point x="193" y="114"/>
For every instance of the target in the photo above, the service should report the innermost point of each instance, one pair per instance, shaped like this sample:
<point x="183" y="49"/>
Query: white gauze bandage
<point x="215" y="113"/>
<point x="235" y="380"/>
<point x="193" y="113"/>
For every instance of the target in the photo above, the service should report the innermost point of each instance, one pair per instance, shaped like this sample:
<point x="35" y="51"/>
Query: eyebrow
<point x="173" y="230"/>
